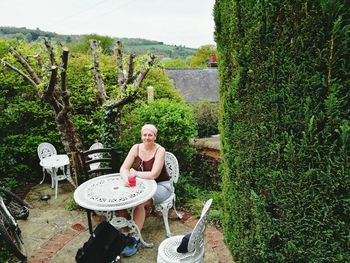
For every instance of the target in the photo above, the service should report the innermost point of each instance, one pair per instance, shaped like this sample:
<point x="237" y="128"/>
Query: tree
<point x="174" y="63"/>
<point x="105" y="43"/>
<point x="199" y="60"/>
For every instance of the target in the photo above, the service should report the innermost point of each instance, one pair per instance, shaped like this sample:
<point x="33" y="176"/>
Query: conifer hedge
<point x="284" y="69"/>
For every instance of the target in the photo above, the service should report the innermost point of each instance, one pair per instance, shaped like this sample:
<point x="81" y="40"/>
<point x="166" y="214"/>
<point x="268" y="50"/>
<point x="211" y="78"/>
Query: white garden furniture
<point x="44" y="150"/>
<point x="172" y="167"/>
<point x="167" y="250"/>
<point x="53" y="163"/>
<point x="96" y="145"/>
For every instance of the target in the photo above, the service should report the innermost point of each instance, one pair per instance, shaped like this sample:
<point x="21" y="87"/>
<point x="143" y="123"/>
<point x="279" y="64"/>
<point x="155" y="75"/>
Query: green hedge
<point x="285" y="129"/>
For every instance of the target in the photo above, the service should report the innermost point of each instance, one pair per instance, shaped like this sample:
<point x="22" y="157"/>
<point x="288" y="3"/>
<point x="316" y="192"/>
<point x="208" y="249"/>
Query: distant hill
<point x="135" y="45"/>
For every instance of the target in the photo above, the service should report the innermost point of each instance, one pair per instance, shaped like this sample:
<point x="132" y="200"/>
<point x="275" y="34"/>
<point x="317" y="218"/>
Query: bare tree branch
<point x="50" y="94"/>
<point x="137" y="83"/>
<point x="8" y="65"/>
<point x="128" y="79"/>
<point x="64" y="66"/>
<point x="101" y="94"/>
<point x="65" y="94"/>
<point x="40" y="61"/>
<point x="53" y="81"/>
<point x="130" y="68"/>
<point x="25" y="65"/>
<point x="51" y="53"/>
<point x="141" y="75"/>
<point x="119" y="62"/>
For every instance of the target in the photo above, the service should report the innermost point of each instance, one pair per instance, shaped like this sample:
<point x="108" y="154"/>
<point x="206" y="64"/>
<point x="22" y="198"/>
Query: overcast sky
<point x="175" y="22"/>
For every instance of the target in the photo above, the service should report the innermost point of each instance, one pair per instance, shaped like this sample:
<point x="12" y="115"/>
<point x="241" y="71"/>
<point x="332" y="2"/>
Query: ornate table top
<point x="55" y="161"/>
<point x="108" y="193"/>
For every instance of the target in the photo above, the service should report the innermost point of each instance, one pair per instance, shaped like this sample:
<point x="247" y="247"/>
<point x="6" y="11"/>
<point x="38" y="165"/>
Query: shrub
<point x="173" y="120"/>
<point x="205" y="172"/>
<point x="206" y="115"/>
<point x="174" y="63"/>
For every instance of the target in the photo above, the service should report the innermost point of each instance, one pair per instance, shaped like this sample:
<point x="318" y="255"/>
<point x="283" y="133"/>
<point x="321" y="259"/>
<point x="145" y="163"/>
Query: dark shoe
<point x="131" y="249"/>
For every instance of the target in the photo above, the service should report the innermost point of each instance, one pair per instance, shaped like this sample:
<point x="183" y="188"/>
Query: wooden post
<point x="150" y="94"/>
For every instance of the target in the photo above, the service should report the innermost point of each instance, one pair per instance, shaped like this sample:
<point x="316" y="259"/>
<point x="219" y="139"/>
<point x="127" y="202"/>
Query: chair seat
<point x="166" y="203"/>
<point x="167" y="252"/>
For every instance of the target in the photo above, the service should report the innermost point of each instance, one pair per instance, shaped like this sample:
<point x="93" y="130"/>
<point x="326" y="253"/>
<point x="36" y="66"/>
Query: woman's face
<point x="147" y="136"/>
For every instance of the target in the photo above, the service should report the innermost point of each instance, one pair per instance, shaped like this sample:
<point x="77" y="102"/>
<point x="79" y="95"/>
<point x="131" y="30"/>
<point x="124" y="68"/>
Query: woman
<point x="148" y="158"/>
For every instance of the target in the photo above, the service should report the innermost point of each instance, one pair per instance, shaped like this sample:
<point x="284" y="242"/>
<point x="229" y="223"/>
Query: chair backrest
<point x="46" y="149"/>
<point x="108" y="160"/>
<point x="197" y="236"/>
<point x="96" y="145"/>
<point x="172" y="167"/>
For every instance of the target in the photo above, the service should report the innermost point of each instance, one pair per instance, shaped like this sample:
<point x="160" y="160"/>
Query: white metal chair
<point x="172" y="167"/>
<point x="96" y="145"/>
<point x="44" y="150"/>
<point x="167" y="250"/>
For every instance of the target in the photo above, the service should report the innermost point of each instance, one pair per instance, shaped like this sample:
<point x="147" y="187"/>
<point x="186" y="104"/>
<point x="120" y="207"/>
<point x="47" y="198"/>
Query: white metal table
<point x="107" y="193"/>
<point x="54" y="162"/>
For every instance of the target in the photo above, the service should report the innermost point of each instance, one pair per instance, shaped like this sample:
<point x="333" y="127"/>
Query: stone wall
<point x="207" y="161"/>
<point x="208" y="146"/>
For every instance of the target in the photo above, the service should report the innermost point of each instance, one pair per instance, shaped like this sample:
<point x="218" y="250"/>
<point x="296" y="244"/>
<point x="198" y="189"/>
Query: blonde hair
<point x="149" y="127"/>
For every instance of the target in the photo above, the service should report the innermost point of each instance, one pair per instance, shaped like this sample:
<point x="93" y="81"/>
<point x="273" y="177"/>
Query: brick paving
<point x="58" y="240"/>
<point x="48" y="249"/>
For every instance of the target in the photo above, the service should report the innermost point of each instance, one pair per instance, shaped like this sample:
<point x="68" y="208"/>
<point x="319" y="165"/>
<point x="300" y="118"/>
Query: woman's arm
<point x="157" y="166"/>
<point x="128" y="162"/>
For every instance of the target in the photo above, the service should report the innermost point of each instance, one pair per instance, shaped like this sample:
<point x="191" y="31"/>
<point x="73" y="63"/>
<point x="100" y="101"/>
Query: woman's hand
<point x="125" y="178"/>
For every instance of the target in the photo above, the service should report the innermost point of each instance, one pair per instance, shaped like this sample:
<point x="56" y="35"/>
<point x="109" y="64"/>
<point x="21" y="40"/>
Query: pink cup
<point x="132" y="180"/>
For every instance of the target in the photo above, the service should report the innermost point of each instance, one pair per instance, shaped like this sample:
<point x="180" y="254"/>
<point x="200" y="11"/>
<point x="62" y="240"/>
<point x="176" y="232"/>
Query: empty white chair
<point x="44" y="150"/>
<point x="167" y="250"/>
<point x="172" y="167"/>
<point x="95" y="146"/>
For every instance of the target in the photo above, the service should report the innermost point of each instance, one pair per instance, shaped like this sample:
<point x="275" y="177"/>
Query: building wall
<point x="196" y="84"/>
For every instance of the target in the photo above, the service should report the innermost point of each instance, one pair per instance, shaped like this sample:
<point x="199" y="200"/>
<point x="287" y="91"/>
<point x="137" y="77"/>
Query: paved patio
<point x="54" y="234"/>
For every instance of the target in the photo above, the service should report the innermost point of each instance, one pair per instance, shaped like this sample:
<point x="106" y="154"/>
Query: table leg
<point x="120" y="222"/>
<point x="43" y="176"/>
<point x="52" y="179"/>
<point x="55" y="179"/>
<point x="88" y="212"/>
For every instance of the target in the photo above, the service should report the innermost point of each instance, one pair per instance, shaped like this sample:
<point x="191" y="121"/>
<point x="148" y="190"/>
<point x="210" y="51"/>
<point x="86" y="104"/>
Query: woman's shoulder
<point x="160" y="148"/>
<point x="134" y="149"/>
